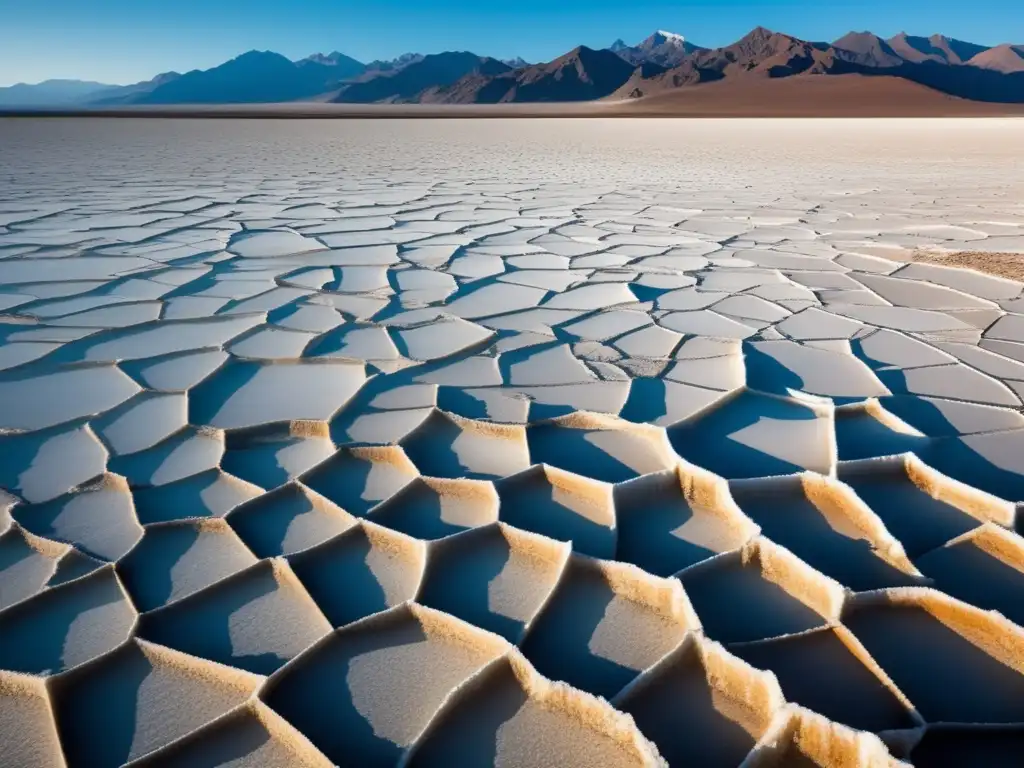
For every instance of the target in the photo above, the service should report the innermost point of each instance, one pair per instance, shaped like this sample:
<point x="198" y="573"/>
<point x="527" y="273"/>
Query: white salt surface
<point x="221" y="342"/>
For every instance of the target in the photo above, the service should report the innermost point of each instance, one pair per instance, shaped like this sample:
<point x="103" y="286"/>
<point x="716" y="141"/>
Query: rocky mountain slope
<point x="661" y="63"/>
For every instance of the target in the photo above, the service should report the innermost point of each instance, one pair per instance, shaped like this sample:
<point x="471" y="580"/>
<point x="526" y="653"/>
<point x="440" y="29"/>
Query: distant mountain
<point x="583" y="74"/>
<point x="643" y="82"/>
<point x="867" y="50"/>
<point x="663" y="62"/>
<point x="1003" y="58"/>
<point x="434" y="71"/>
<point x="761" y="53"/>
<point x="937" y="48"/>
<point x="50" y="93"/>
<point x="127" y="94"/>
<point x="344" y="66"/>
<point x="390" y="66"/>
<point x="995" y="75"/>
<point x="765" y="53"/>
<point x="666" y="49"/>
<point x="580" y="75"/>
<point x="253" y="77"/>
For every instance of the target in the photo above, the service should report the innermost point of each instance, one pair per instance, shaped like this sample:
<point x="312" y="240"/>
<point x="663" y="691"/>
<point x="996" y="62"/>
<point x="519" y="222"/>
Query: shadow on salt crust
<point x="432" y="508"/>
<point x="964" y="746"/>
<point x="192" y="451"/>
<point x="783" y="367"/>
<point x="663" y="402"/>
<point x="252" y="736"/>
<point x="823" y="522"/>
<point x="141" y="697"/>
<point x="359" y="478"/>
<point x="670" y="520"/>
<point x="921" y="507"/>
<point x="600" y="447"/>
<point x="759" y="592"/>
<point x="553" y="401"/>
<point x="43" y="465"/>
<point x="67" y="625"/>
<point x="867" y="430"/>
<point x="605" y="623"/>
<point x="256" y="620"/>
<point x="748" y="434"/>
<point x="495" y="577"/>
<point x="173" y="560"/>
<point x="157" y="338"/>
<point x="287" y="520"/>
<point x="365" y="693"/>
<point x="73" y="565"/>
<point x="142" y="421"/>
<point x="984" y="567"/>
<point x="97" y="518"/>
<point x="701" y="705"/>
<point x="246" y="394"/>
<point x="948" y="418"/>
<point x="955" y="662"/>
<point x="449" y="446"/>
<point x="38" y="402"/>
<point x="828" y="671"/>
<point x="365" y="570"/>
<point x="27" y="562"/>
<point x="209" y="494"/>
<point x="562" y="506"/>
<point x="273" y="454"/>
<point x="354" y="342"/>
<point x="509" y="715"/>
<point x="993" y="463"/>
<point x="506" y="406"/>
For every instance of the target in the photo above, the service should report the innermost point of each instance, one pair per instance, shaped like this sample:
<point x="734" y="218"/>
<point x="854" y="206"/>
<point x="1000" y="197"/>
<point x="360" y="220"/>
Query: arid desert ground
<point x="516" y="443"/>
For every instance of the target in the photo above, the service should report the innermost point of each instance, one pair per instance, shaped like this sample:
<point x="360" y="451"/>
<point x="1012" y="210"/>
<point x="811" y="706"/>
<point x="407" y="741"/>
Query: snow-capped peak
<point x="671" y="37"/>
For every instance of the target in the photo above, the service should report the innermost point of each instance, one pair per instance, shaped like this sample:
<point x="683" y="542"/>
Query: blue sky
<point x="122" y="41"/>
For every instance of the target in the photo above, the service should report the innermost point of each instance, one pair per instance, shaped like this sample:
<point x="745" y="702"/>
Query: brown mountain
<point x="993" y="75"/>
<point x="767" y="53"/>
<point x="583" y="74"/>
<point x="1003" y="58"/>
<point x="642" y="83"/>
<point x="867" y="50"/>
<point x="761" y="54"/>
<point x="937" y="48"/>
<point x="405" y="84"/>
<point x="662" y="63"/>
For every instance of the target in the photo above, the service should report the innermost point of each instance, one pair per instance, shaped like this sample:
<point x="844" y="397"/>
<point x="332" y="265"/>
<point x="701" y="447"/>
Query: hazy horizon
<point x="121" y="42"/>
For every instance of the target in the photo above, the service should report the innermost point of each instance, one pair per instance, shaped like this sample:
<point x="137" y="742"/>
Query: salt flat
<point x="547" y="442"/>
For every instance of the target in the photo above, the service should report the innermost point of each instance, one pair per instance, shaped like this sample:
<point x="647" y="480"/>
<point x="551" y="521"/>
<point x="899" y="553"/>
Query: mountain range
<point x="662" y="63"/>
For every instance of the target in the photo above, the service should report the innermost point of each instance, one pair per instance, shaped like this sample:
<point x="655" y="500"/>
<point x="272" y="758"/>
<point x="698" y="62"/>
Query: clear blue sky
<point x="122" y="41"/>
